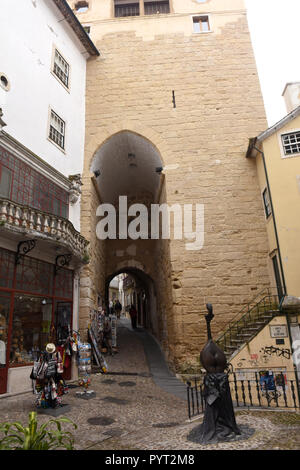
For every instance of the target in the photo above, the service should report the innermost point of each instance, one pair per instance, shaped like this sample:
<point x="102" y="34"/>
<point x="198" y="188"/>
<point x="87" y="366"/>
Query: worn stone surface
<point x="203" y="141"/>
<point x="149" y="418"/>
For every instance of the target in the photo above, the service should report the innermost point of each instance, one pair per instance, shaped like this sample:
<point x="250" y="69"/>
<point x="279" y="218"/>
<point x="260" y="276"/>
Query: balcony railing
<point x="23" y="219"/>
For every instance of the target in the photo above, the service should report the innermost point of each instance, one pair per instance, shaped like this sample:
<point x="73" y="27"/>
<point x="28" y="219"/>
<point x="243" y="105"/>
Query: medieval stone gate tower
<point x="176" y="87"/>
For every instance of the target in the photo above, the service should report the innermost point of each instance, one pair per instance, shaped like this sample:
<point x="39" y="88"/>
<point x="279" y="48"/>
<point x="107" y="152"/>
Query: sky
<point x="275" y="35"/>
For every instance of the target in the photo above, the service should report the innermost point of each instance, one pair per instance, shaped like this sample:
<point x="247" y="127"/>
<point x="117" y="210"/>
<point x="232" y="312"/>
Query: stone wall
<point x="202" y="143"/>
<point x="92" y="280"/>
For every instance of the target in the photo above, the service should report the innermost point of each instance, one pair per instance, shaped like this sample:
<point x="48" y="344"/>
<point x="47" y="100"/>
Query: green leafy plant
<point x="19" y="437"/>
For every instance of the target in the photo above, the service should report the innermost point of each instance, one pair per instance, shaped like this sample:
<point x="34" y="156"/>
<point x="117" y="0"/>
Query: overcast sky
<point x="275" y="33"/>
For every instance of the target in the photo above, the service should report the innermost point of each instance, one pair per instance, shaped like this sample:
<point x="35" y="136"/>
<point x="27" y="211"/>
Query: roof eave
<point x="271" y="130"/>
<point x="77" y="27"/>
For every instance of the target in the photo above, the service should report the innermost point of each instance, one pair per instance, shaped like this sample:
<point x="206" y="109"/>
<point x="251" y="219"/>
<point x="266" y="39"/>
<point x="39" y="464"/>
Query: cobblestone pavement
<point x="131" y="412"/>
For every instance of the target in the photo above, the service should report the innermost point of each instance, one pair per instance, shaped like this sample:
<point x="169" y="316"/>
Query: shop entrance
<point x="36" y="304"/>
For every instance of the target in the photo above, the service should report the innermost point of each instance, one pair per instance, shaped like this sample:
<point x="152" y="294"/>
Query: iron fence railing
<point x="258" y="391"/>
<point x="255" y="313"/>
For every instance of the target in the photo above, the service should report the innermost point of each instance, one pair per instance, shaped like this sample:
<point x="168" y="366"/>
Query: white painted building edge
<point x="30" y="31"/>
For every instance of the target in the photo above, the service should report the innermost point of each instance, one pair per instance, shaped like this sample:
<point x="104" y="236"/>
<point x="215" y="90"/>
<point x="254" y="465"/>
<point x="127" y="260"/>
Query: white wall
<point x="28" y="31"/>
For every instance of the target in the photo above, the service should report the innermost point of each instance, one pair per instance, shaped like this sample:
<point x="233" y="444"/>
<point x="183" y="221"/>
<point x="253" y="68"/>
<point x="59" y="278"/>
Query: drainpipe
<point x="273" y="215"/>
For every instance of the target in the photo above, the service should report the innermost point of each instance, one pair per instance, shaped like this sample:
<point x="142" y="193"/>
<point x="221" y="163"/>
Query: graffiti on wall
<point x="267" y="353"/>
<point x="274" y="351"/>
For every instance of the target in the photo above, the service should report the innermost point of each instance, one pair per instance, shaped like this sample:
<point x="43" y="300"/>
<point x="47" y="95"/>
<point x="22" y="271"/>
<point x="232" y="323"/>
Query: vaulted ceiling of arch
<point x="127" y="163"/>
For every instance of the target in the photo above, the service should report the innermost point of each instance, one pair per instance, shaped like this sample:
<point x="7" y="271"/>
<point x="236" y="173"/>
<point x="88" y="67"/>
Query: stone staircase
<point x="247" y="324"/>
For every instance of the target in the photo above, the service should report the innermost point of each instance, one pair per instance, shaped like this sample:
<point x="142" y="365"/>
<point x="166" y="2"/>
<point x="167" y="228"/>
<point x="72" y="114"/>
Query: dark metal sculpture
<point x="219" y="419"/>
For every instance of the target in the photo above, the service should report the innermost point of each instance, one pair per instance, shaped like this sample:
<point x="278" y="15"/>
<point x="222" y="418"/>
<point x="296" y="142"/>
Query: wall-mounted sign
<point x="278" y="331"/>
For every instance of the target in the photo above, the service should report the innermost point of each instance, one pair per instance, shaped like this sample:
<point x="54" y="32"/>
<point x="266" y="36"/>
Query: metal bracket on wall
<point x="23" y="249"/>
<point x="61" y="261"/>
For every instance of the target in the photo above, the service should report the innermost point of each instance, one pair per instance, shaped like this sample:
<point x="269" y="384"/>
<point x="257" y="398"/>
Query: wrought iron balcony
<point x="40" y="225"/>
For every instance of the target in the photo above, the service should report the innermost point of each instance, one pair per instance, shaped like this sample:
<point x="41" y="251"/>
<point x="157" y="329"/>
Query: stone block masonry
<point x="204" y="140"/>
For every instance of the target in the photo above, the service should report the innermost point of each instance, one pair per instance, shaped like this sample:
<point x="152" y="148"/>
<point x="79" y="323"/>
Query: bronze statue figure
<point x="219" y="419"/>
<point x="212" y="357"/>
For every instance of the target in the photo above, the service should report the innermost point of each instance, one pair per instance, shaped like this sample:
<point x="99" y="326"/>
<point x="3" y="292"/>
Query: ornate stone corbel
<point x="2" y="123"/>
<point x="75" y="189"/>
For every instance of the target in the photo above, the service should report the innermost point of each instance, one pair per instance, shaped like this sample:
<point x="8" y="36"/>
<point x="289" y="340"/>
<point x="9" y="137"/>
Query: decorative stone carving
<point x="2" y="123"/>
<point x="75" y="189"/>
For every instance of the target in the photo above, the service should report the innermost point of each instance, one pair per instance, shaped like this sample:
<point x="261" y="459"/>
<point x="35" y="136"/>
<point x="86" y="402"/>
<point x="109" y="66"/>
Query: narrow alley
<point x="139" y="405"/>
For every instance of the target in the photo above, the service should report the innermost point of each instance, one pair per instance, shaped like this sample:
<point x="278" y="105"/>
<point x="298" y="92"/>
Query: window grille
<point x="61" y="68"/>
<point x="291" y="143"/>
<point x="132" y="9"/>
<point x="57" y="130"/>
<point x="152" y="8"/>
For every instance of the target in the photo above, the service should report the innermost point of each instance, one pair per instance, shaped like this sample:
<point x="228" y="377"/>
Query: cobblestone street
<point x="131" y="412"/>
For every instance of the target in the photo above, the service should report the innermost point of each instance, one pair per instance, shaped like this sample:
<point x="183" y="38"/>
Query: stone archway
<point x="145" y="298"/>
<point x="129" y="165"/>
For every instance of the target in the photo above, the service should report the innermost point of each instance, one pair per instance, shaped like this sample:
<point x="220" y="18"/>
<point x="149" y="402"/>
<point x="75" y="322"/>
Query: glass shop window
<point x="7" y="264"/>
<point x="64" y="284"/>
<point x="63" y="321"/>
<point x="34" y="276"/>
<point x="31" y="328"/>
<point x="4" y="317"/>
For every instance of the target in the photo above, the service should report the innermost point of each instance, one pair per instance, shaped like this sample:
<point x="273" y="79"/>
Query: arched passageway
<point x="127" y="166"/>
<point x="138" y="289"/>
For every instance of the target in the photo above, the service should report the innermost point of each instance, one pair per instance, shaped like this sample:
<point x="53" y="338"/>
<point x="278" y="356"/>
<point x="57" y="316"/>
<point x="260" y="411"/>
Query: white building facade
<point x="42" y="128"/>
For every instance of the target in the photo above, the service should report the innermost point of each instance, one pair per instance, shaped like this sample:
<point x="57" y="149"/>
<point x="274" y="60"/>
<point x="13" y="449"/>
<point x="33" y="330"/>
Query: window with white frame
<point x="291" y="143"/>
<point x="267" y="203"/>
<point x="61" y="68"/>
<point x="57" y="129"/>
<point x="201" y="24"/>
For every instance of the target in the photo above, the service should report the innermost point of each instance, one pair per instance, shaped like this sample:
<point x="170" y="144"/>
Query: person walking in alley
<point x="133" y="316"/>
<point x="118" y="308"/>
